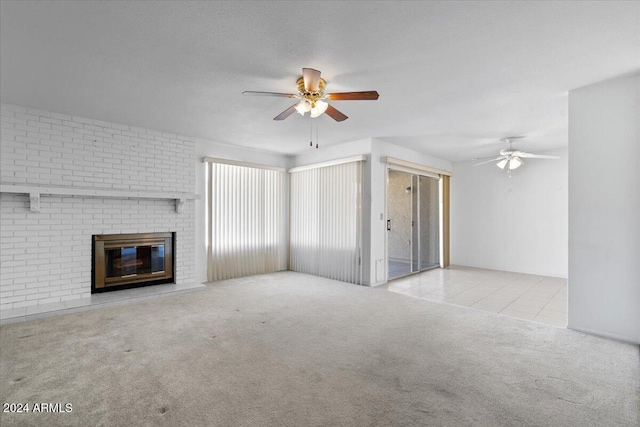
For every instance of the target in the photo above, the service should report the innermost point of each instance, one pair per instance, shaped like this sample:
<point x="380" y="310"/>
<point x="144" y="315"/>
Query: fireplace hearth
<point x="123" y="261"/>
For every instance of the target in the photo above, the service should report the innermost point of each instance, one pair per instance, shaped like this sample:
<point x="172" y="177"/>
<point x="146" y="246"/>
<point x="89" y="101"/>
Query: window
<point x="246" y="211"/>
<point x="326" y="221"/>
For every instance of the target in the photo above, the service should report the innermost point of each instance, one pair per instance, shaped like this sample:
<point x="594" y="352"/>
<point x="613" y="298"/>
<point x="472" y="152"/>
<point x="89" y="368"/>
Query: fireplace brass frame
<point x="100" y="283"/>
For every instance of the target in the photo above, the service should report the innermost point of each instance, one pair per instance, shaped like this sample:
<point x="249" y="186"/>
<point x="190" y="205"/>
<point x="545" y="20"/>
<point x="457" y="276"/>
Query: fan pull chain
<point x="311" y="133"/>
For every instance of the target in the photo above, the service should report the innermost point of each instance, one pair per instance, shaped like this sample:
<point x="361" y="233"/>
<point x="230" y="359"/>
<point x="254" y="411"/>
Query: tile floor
<point x="537" y="298"/>
<point x="401" y="268"/>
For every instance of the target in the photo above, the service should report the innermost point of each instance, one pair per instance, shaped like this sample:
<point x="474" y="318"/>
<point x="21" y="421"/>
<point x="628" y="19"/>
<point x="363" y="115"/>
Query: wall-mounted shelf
<point x="35" y="191"/>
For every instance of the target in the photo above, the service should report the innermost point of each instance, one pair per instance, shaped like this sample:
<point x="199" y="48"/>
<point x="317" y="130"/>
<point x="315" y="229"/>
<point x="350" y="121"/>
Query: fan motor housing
<point x="311" y="95"/>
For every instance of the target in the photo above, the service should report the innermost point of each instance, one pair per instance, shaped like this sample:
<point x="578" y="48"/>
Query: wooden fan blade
<point x="286" y="113"/>
<point x="311" y="79"/>
<point x="256" y="93"/>
<point x="335" y="114"/>
<point x="371" y="95"/>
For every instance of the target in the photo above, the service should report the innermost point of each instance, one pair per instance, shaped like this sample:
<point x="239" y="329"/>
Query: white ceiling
<point x="453" y="77"/>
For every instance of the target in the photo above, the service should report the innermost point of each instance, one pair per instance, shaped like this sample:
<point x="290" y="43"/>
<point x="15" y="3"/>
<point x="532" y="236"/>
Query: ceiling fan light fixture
<point x="511" y="159"/>
<point x="319" y="108"/>
<point x="514" y="163"/>
<point x="311" y="90"/>
<point x="303" y="106"/>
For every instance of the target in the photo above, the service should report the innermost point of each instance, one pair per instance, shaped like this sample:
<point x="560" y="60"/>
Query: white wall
<point x="212" y="149"/>
<point x="604" y="208"/>
<point x="46" y="255"/>
<point x="517" y="223"/>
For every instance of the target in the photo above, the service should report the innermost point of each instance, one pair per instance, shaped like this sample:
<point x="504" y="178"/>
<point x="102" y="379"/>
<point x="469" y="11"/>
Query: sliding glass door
<point x="400" y="208"/>
<point x="413" y="223"/>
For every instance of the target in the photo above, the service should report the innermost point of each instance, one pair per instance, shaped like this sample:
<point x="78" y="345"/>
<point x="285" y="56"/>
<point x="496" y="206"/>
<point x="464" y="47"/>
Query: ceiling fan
<point x="512" y="159"/>
<point x="313" y="98"/>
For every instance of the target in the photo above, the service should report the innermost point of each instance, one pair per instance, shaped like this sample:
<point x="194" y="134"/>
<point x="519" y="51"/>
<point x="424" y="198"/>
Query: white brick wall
<point x="46" y="256"/>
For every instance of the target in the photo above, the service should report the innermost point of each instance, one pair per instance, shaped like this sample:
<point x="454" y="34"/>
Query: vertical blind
<point x="246" y="221"/>
<point x="326" y="221"/>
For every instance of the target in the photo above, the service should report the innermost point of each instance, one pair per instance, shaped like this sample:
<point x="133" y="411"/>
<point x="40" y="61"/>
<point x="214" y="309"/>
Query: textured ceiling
<point x="453" y="77"/>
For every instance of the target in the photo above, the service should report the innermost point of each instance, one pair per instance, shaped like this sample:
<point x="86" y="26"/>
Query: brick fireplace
<point x="47" y="252"/>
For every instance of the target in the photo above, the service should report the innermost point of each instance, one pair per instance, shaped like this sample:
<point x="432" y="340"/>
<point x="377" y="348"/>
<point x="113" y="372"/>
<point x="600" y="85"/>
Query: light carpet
<point x="287" y="349"/>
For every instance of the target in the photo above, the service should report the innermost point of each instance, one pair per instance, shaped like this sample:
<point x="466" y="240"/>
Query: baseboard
<point x="628" y="340"/>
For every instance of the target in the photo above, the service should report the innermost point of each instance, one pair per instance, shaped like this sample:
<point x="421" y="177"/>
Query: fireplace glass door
<point x="132" y="259"/>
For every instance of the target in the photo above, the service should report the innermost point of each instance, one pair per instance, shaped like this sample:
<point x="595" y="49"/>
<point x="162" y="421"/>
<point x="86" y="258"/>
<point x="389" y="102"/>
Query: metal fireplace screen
<point x="128" y="260"/>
